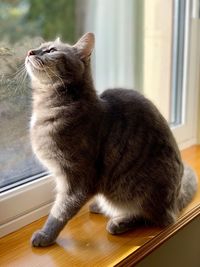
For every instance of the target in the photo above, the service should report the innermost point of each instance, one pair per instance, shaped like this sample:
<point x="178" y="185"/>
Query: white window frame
<point x="29" y="202"/>
<point x="186" y="132"/>
<point x="25" y="204"/>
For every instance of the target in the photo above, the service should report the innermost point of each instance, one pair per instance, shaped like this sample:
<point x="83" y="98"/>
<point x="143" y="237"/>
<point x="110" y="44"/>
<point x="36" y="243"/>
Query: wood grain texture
<point x="85" y="242"/>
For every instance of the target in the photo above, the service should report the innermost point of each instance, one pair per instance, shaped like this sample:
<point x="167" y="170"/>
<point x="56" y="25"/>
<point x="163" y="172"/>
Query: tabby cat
<point x="116" y="147"/>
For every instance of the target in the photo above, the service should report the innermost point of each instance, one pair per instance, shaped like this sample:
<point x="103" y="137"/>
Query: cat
<point x="115" y="147"/>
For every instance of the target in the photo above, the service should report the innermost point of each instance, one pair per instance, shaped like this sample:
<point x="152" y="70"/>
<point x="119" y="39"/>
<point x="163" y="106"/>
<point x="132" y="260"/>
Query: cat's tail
<point x="189" y="187"/>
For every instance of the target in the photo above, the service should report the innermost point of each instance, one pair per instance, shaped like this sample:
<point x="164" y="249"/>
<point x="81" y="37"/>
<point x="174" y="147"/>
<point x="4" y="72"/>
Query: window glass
<point x="178" y="64"/>
<point x="24" y="24"/>
<point x="139" y="44"/>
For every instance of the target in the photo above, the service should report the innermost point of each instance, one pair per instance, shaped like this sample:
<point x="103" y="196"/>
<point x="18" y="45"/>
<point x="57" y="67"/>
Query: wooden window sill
<point x="85" y="242"/>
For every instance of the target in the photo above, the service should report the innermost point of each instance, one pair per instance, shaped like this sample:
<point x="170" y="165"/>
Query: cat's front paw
<point x="41" y="239"/>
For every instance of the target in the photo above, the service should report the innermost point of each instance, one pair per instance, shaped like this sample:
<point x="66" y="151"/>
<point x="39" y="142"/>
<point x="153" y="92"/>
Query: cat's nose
<point x="30" y="53"/>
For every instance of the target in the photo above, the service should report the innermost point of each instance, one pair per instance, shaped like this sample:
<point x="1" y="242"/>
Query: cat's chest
<point x="41" y="138"/>
<point x="43" y="144"/>
<point x="33" y="120"/>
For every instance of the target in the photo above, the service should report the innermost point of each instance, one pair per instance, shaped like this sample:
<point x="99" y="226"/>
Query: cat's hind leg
<point x="119" y="225"/>
<point x="94" y="208"/>
<point x="122" y="217"/>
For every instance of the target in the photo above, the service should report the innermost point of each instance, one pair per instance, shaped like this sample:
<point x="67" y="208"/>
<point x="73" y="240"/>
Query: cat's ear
<point x="57" y="40"/>
<point x="85" y="45"/>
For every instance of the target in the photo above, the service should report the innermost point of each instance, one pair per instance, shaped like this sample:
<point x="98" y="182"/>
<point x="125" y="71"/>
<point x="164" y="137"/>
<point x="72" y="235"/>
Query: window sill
<point x="85" y="242"/>
<point x="25" y="204"/>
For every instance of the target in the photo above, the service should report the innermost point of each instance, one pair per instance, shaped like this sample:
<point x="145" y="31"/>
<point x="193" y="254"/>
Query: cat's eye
<point x="51" y="50"/>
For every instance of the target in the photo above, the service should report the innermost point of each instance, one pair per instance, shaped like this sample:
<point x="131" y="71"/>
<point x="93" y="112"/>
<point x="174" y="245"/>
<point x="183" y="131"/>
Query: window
<point x="179" y="32"/>
<point x="23" y="25"/>
<point x="150" y="46"/>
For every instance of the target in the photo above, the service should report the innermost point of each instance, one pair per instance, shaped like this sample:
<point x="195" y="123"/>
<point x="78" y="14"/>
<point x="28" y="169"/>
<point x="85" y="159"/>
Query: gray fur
<point x="48" y="234"/>
<point x="188" y="187"/>
<point x="116" y="146"/>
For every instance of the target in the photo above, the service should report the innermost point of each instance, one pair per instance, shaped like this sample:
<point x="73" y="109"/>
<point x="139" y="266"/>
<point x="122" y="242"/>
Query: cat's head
<point x="59" y="62"/>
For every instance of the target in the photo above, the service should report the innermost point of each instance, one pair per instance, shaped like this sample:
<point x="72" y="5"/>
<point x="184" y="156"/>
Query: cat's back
<point x="135" y="125"/>
<point x="128" y="113"/>
<point x="122" y="96"/>
<point x="131" y="104"/>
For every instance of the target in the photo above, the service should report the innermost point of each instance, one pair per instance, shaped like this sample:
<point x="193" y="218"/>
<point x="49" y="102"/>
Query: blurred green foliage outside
<point x="23" y="25"/>
<point x="44" y="18"/>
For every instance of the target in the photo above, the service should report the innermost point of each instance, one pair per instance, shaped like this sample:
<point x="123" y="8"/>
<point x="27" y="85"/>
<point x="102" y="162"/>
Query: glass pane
<point x="139" y="44"/>
<point x="23" y="26"/>
<point x="178" y="61"/>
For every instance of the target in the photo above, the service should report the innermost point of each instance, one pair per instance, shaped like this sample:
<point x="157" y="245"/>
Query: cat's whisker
<point x="55" y="75"/>
<point x="11" y="83"/>
<point x="20" y="77"/>
<point x="52" y="82"/>
<point x="23" y="81"/>
<point x="18" y="74"/>
<point x="19" y="70"/>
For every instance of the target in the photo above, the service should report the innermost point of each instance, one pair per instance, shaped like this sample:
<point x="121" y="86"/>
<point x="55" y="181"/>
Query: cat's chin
<point x="36" y="76"/>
